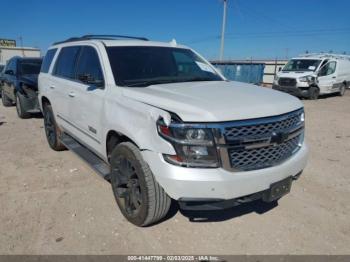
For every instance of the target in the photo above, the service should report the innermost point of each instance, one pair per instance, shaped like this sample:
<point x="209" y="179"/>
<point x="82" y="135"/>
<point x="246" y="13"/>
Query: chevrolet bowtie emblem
<point x="278" y="138"/>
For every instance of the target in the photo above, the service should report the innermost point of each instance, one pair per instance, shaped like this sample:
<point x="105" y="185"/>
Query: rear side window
<point x="65" y="65"/>
<point x="88" y="66"/>
<point x="11" y="66"/>
<point x="47" y="60"/>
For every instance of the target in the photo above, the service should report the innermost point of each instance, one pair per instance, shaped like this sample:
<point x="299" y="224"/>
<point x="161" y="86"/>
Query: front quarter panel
<point x="135" y="120"/>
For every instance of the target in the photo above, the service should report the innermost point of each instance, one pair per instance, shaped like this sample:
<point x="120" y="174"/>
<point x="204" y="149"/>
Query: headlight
<point x="307" y="79"/>
<point x="194" y="146"/>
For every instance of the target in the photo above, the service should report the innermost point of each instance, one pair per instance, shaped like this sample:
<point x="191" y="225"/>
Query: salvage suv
<point x="160" y="122"/>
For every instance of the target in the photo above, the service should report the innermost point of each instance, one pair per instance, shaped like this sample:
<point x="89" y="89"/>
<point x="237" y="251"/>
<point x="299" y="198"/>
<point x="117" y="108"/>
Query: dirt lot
<point x="52" y="203"/>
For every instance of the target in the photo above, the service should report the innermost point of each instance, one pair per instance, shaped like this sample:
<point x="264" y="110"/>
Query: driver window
<point x="328" y="69"/>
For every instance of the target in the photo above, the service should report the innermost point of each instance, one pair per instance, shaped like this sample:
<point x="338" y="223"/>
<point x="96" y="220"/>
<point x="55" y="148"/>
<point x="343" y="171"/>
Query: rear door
<point x="86" y="108"/>
<point x="62" y="85"/>
<point x="327" y="77"/>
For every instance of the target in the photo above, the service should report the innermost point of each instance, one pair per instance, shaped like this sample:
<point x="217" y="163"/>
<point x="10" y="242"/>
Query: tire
<point x="52" y="131"/>
<point x="21" y="112"/>
<point x="140" y="198"/>
<point x="342" y="90"/>
<point x="5" y="100"/>
<point x="314" y="93"/>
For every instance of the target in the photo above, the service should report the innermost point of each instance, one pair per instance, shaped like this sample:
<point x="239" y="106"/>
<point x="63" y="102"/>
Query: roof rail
<point x="326" y="55"/>
<point x="100" y="37"/>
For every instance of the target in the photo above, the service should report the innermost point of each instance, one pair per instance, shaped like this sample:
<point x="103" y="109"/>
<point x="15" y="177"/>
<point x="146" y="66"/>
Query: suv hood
<point x="215" y="101"/>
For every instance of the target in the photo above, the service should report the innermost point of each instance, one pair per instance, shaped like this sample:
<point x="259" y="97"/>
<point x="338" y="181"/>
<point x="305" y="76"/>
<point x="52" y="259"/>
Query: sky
<point x="257" y="29"/>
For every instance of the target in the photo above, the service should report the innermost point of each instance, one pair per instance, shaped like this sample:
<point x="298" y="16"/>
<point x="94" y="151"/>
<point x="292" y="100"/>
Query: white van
<point x="313" y="75"/>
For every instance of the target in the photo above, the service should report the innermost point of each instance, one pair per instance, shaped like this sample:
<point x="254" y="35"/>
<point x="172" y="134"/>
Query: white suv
<point x="161" y="123"/>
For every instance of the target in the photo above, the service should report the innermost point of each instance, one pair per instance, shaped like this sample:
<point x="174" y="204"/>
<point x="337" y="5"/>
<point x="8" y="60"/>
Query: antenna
<point x="223" y="31"/>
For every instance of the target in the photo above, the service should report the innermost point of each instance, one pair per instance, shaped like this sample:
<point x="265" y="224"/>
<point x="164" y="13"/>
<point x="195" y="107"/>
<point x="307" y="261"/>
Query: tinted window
<point x="65" y="65"/>
<point x="1" y="68"/>
<point x="143" y="66"/>
<point x="88" y="66"/>
<point x="47" y="60"/>
<point x="29" y="66"/>
<point x="11" y="66"/>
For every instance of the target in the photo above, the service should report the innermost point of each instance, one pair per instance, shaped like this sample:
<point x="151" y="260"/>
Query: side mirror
<point x="279" y="69"/>
<point x="90" y="80"/>
<point x="9" y="72"/>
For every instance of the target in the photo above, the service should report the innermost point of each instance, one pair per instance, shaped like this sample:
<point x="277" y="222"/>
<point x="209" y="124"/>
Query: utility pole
<point x="223" y="31"/>
<point x="21" y="41"/>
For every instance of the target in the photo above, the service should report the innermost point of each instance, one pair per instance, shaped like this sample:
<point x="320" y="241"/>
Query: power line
<point x="274" y="34"/>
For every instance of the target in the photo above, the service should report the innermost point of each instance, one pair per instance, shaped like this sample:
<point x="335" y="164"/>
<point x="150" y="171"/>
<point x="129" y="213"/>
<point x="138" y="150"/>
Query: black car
<point x="20" y="85"/>
<point x="2" y="70"/>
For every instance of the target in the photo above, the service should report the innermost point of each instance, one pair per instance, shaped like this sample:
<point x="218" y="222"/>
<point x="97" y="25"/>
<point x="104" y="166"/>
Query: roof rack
<point x="100" y="37"/>
<point x="326" y="55"/>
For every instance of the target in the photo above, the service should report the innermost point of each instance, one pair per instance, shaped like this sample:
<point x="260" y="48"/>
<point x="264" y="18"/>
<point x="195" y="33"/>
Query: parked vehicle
<point x="160" y="122"/>
<point x="2" y="70"/>
<point x="20" y="85"/>
<point x="313" y="75"/>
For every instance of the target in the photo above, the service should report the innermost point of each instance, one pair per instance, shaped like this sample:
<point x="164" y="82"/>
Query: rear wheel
<point x="52" y="131"/>
<point x="21" y="112"/>
<point x="342" y="90"/>
<point x="314" y="92"/>
<point x="5" y="100"/>
<point x="140" y="198"/>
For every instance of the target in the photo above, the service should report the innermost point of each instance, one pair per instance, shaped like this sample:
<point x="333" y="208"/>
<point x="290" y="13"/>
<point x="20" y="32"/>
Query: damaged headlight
<point x="309" y="79"/>
<point x="194" y="145"/>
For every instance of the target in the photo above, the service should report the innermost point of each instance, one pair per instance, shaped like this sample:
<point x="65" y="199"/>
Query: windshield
<point x="302" y="65"/>
<point x="30" y="67"/>
<point x="138" y="66"/>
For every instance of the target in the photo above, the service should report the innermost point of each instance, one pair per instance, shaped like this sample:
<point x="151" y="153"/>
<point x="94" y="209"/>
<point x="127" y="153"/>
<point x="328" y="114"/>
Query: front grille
<point x="284" y="81"/>
<point x="263" y="142"/>
<point x="291" y="121"/>
<point x="263" y="157"/>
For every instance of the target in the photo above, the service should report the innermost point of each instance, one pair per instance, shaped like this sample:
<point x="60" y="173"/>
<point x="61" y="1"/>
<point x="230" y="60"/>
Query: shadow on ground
<point x="257" y="206"/>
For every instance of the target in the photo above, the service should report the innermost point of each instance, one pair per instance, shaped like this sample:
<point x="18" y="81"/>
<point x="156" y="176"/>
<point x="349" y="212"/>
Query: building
<point x="260" y="72"/>
<point x="8" y="49"/>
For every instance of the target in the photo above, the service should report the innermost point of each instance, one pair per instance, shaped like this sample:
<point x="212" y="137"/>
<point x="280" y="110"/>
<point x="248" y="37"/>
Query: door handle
<point x="71" y="94"/>
<point x="334" y="77"/>
<point x="52" y="87"/>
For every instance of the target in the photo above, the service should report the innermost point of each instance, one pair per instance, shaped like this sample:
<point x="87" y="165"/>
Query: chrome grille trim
<point x="261" y="143"/>
<point x="263" y="157"/>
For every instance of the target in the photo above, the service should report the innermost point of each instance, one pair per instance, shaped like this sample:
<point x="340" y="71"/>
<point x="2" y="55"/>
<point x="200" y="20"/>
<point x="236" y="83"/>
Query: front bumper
<point x="295" y="91"/>
<point x="217" y="183"/>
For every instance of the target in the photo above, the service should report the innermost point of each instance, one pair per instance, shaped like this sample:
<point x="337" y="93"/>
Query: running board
<point x="87" y="155"/>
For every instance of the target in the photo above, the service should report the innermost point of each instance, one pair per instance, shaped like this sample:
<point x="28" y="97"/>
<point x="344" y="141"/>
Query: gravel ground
<point x="53" y="203"/>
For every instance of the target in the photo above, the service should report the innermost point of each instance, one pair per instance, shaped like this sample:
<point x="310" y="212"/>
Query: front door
<point x="327" y="77"/>
<point x="86" y="108"/>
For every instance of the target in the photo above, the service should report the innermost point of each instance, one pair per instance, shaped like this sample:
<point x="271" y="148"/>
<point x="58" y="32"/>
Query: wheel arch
<point x="113" y="138"/>
<point x="45" y="100"/>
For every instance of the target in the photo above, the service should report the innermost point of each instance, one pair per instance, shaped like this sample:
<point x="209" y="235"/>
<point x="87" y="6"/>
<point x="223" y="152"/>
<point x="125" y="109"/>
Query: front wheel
<point x="140" y="198"/>
<point x="342" y="90"/>
<point x="52" y="131"/>
<point x="314" y="93"/>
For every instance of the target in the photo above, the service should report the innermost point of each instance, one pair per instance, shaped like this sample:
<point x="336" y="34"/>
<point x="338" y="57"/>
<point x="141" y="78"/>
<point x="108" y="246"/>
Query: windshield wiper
<point x="158" y="81"/>
<point x="195" y="79"/>
<point x="151" y="82"/>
